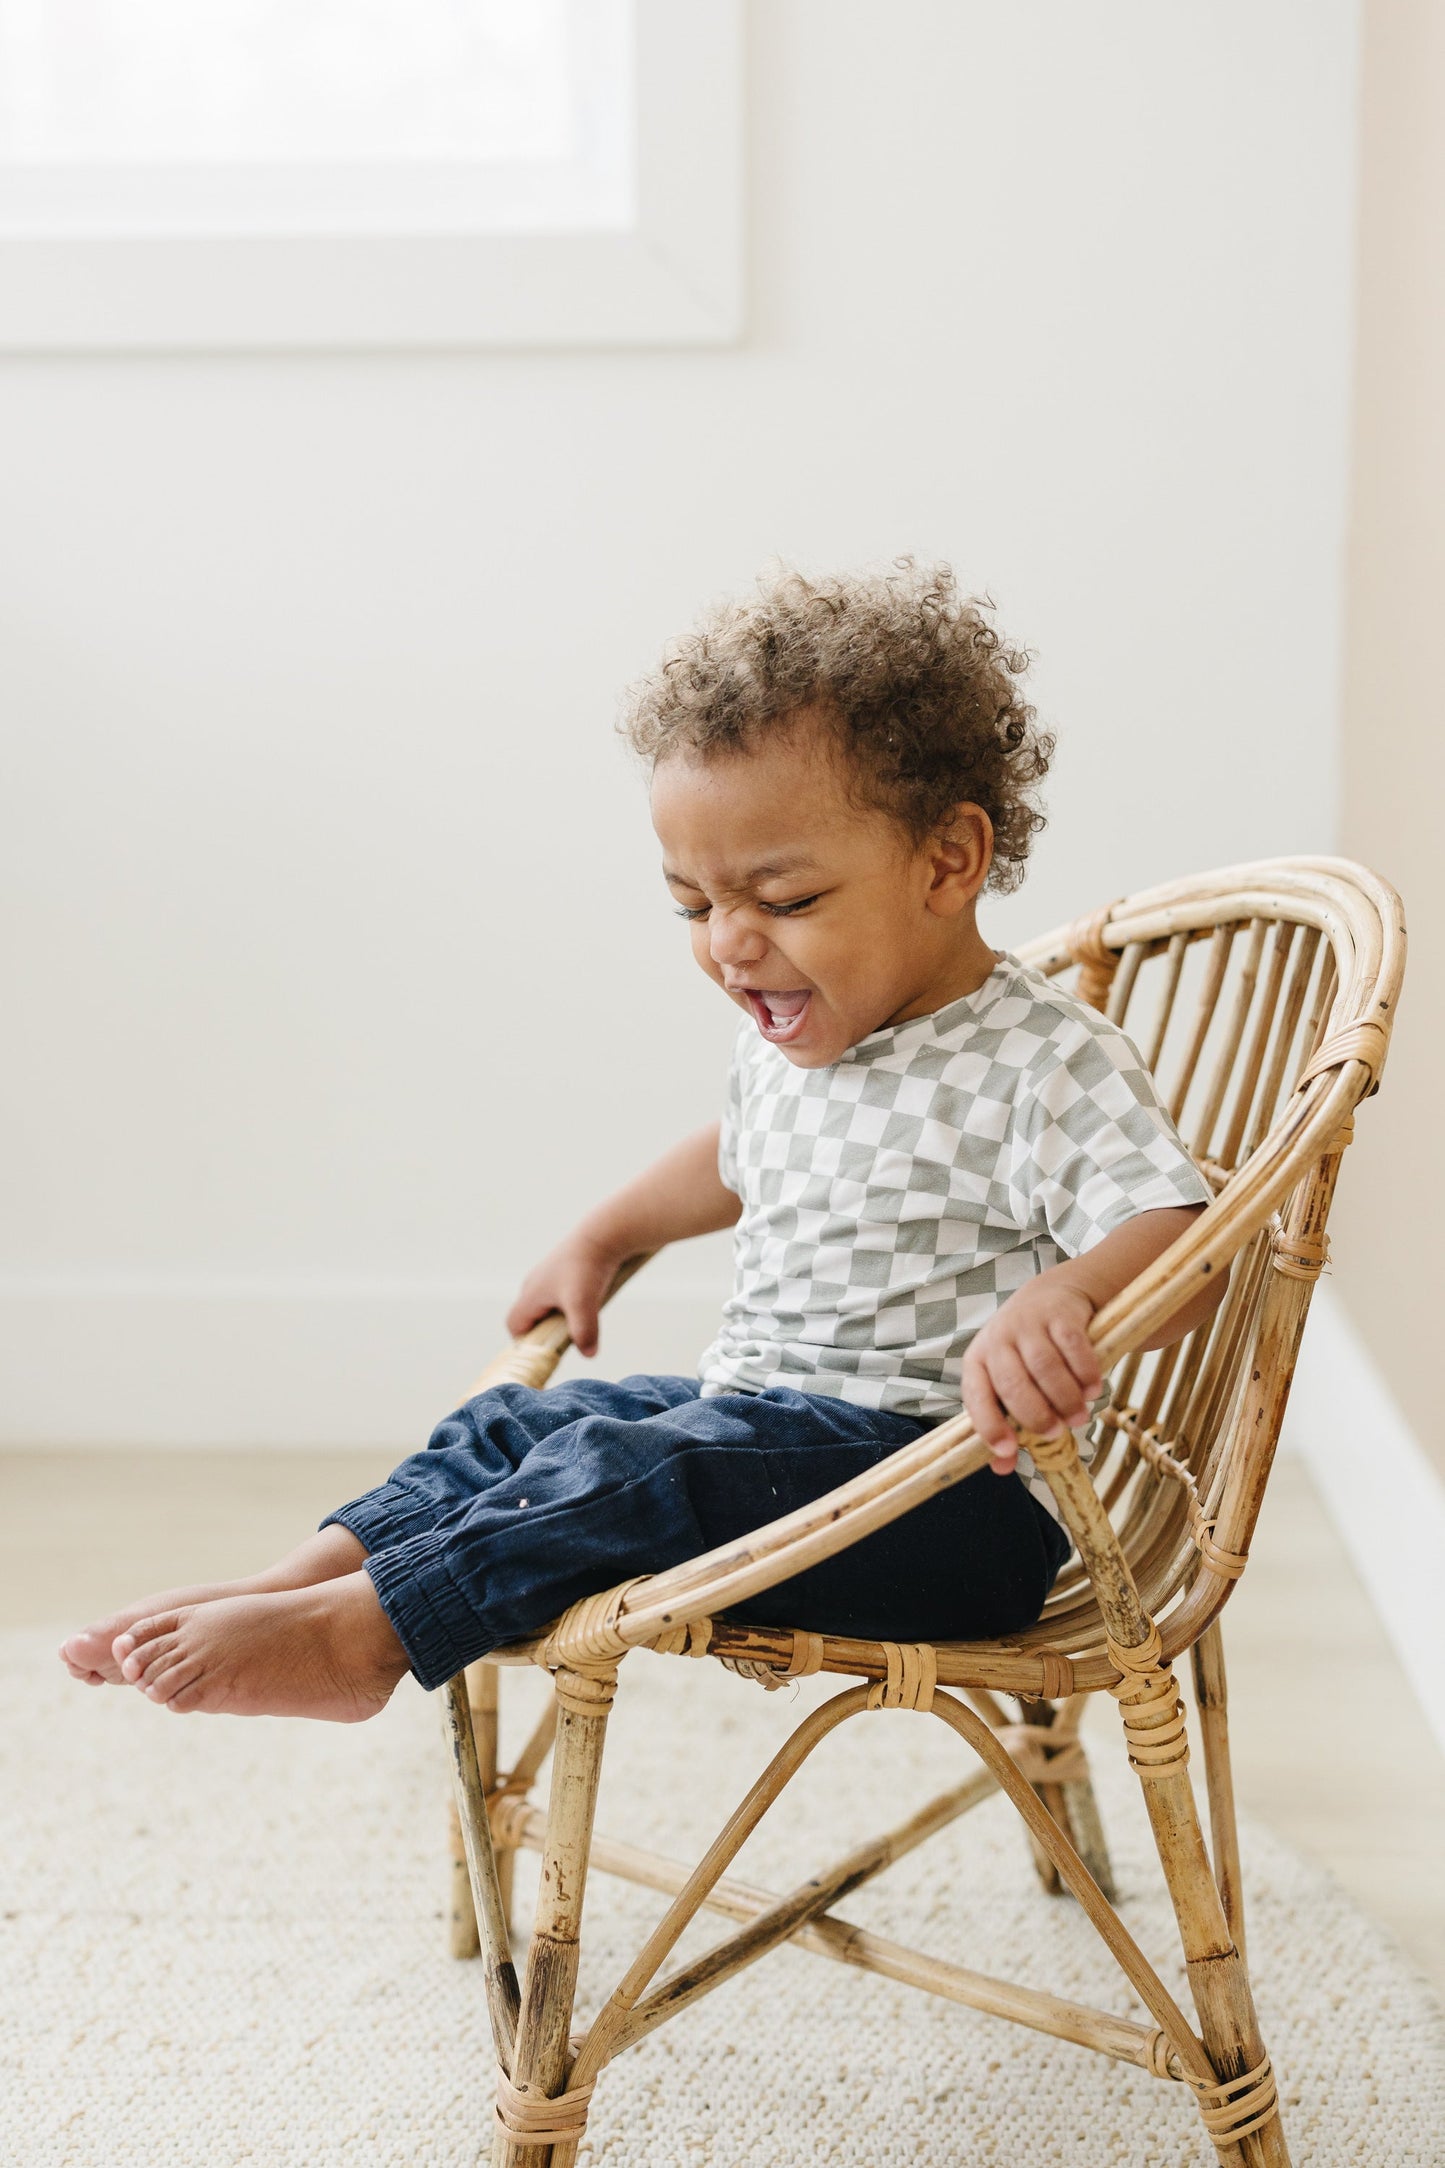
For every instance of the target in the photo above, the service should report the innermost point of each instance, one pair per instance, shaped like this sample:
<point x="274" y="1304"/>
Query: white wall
<point x="337" y="947"/>
<point x="1394" y="758"/>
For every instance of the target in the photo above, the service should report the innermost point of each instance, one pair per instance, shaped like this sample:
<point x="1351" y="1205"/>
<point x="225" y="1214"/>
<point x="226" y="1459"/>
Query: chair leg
<point x="1072" y="1805"/>
<point x="1240" y="2112"/>
<point x="1211" y="1693"/>
<point x="463" y="1939"/>
<point x="1041" y="1715"/>
<point x="534" y="2113"/>
<point x="1082" y="1823"/>
<point x="484" y="1685"/>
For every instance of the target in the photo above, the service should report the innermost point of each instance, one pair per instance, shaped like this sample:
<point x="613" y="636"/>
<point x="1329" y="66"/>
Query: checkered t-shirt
<point x="892" y="1202"/>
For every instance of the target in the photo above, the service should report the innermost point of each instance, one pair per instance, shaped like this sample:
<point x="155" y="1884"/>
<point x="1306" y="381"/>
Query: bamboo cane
<point x="847" y="1944"/>
<point x="540" y="2057"/>
<point x="1211" y="1695"/>
<point x="489" y="1913"/>
<point x="1217" y="1976"/>
<point x="1245" y="1084"/>
<point x="611" y="2028"/>
<point x="1178" y="949"/>
<point x="465" y="1941"/>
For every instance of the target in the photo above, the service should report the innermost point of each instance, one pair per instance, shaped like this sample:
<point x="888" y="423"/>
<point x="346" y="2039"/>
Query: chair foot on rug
<point x="1241" y="2116"/>
<point x="532" y="2127"/>
<point x="1240" y="2109"/>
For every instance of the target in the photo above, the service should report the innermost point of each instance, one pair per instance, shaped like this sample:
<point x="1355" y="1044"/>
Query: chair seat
<point x="1062" y="1653"/>
<point x="1029" y="1663"/>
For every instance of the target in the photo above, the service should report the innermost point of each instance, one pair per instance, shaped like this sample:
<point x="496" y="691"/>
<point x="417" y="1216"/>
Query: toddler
<point x="936" y="1165"/>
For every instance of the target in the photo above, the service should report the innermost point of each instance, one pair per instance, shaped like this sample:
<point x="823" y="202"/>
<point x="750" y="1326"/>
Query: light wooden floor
<point x="1330" y="1747"/>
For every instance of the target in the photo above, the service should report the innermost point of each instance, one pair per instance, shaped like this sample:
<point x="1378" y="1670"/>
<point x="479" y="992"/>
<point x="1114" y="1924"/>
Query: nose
<point x="732" y="942"/>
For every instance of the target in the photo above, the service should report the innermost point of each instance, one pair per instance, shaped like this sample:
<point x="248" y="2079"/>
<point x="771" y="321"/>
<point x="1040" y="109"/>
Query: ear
<point x="960" y="855"/>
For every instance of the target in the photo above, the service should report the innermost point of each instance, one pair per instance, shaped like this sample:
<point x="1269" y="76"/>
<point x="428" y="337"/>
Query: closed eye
<point x="789" y="910"/>
<point x="694" y="912"/>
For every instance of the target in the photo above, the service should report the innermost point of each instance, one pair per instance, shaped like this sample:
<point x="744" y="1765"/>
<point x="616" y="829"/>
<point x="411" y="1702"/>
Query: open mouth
<point x="779" y="1016"/>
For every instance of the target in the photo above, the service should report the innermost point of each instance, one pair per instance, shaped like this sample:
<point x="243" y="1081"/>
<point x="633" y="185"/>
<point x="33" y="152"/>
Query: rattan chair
<point x="1262" y="997"/>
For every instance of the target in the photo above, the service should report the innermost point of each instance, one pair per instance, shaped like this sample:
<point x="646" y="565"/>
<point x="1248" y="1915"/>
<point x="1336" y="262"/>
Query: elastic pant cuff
<point x="390" y="1514"/>
<point x="434" y="1622"/>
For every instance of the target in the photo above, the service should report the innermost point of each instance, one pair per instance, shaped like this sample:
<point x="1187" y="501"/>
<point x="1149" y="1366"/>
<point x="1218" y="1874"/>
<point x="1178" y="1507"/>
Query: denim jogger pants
<point x="525" y="1501"/>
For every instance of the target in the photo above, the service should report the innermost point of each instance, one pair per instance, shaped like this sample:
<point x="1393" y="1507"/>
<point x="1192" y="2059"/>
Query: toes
<point x="143" y="1660"/>
<point x="125" y="1646"/>
<point x="172" y="1672"/>
<point x="168" y="1679"/>
<point x="151" y="1659"/>
<point x="84" y="1656"/>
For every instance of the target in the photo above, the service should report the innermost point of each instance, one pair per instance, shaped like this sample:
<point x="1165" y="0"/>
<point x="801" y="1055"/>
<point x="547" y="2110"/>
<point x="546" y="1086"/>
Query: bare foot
<point x="326" y="1652"/>
<point x="88" y="1655"/>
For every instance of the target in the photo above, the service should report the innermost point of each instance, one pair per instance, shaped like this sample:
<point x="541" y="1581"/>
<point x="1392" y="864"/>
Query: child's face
<point x="823" y="920"/>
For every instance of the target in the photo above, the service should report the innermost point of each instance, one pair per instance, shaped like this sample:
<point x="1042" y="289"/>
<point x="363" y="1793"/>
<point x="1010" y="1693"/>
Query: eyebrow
<point x="769" y="869"/>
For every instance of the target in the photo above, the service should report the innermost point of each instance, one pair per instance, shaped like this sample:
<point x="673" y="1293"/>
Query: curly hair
<point x="918" y="688"/>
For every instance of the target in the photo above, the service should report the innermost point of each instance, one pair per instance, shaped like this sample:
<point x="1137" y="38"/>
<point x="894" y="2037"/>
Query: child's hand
<point x="682" y="1194"/>
<point x="574" y="1279"/>
<point x="1032" y="1367"/>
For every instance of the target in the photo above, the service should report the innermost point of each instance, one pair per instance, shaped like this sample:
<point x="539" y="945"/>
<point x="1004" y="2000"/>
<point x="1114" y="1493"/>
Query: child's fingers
<point x="582" y="1309"/>
<point x="526" y="1311"/>
<point x="988" y="1418"/>
<point x="1012" y="1382"/>
<point x="1077" y="1349"/>
<point x="1054" y="1378"/>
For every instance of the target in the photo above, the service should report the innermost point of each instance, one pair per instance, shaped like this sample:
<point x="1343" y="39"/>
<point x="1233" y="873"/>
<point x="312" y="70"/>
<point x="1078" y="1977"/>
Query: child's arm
<point x="681" y="1194"/>
<point x="1034" y="1366"/>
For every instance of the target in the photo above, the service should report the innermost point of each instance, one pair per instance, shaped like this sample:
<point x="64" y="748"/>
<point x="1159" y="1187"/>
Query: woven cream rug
<point x="223" y="1943"/>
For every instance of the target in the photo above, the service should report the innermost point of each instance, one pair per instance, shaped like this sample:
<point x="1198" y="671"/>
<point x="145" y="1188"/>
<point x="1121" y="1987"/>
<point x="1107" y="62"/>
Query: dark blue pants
<point x="525" y="1501"/>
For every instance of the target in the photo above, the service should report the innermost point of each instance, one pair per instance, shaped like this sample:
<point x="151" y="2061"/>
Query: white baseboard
<point x="132" y="1362"/>
<point x="1382" y="1493"/>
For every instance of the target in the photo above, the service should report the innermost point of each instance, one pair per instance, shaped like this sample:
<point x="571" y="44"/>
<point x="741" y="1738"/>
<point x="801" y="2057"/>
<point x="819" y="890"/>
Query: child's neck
<point x="961" y="969"/>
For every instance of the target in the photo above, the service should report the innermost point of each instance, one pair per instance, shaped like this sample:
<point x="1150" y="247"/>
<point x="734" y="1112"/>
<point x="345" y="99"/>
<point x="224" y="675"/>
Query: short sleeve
<point x="1094" y="1144"/>
<point x="727" y="1143"/>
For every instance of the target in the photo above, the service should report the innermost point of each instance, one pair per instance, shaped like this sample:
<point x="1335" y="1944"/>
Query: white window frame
<point x="672" y="277"/>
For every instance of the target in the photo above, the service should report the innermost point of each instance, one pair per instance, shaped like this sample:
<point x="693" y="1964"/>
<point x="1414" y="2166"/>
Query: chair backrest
<point x="1261" y="998"/>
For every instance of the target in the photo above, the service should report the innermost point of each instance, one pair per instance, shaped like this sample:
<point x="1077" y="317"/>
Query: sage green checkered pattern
<point x="892" y="1202"/>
